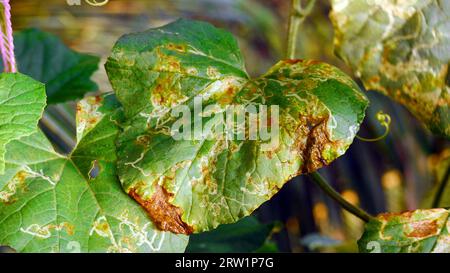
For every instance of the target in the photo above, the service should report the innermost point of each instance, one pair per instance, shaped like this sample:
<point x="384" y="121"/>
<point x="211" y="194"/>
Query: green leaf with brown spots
<point x="22" y="101"/>
<point x="402" y="49"/>
<point x="419" y="231"/>
<point x="193" y="170"/>
<point x="53" y="203"/>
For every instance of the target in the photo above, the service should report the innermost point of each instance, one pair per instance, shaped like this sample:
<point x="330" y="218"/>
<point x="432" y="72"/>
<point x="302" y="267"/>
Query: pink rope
<point x="6" y="41"/>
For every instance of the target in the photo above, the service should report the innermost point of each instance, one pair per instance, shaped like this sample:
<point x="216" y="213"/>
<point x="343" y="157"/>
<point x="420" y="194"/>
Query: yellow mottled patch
<point x="212" y="72"/>
<point x="101" y="227"/>
<point x="167" y="63"/>
<point x="88" y="115"/>
<point x="177" y="47"/>
<point x="223" y="90"/>
<point x="45" y="231"/>
<point x="192" y="71"/>
<point x="12" y="186"/>
<point x="167" y="92"/>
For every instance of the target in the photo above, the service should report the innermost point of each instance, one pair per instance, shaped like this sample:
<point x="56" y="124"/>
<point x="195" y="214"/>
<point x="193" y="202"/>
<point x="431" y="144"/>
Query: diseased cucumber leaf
<point x="195" y="183"/>
<point x="22" y="101"/>
<point x="246" y="235"/>
<point x="413" y="231"/>
<point x="52" y="203"/>
<point x="402" y="49"/>
<point x="44" y="57"/>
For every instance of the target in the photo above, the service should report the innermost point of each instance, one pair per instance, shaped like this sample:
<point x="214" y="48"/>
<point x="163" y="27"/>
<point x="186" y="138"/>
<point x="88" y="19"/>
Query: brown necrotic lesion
<point x="164" y="215"/>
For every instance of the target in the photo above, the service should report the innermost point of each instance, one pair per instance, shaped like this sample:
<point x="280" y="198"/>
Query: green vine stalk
<point x="440" y="191"/>
<point x="296" y="18"/>
<point x="325" y="186"/>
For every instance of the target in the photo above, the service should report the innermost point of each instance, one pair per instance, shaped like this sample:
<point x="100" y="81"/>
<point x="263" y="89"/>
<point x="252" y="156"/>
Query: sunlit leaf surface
<point x="22" y="101"/>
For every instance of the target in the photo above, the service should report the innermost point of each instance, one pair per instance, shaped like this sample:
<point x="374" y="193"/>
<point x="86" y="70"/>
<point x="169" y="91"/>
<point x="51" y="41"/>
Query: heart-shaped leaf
<point x="52" y="203"/>
<point x="412" y="231"/>
<point x="400" y="48"/>
<point x="46" y="58"/>
<point x="304" y="114"/>
<point x="22" y="101"/>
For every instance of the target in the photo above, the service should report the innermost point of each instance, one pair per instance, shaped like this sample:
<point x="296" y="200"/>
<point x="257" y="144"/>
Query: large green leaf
<point x="65" y="72"/>
<point x="193" y="185"/>
<point x="53" y="203"/>
<point x="413" y="231"/>
<point x="22" y="101"/>
<point x="246" y="235"/>
<point x="402" y="49"/>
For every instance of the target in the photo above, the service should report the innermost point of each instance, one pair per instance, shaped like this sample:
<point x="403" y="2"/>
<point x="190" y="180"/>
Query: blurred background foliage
<point x="394" y="174"/>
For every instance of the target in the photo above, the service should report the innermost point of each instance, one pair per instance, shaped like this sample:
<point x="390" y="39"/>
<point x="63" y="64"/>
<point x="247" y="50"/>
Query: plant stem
<point x="292" y="31"/>
<point x="440" y="191"/>
<point x="325" y="186"/>
<point x="296" y="18"/>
